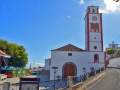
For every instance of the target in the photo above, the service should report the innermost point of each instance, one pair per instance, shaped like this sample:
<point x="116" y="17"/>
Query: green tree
<point x="110" y="51"/>
<point x="19" y="57"/>
<point x="3" y="45"/>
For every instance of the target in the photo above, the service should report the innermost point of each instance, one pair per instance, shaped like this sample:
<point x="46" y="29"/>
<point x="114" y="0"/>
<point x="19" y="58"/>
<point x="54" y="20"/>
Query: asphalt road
<point x="111" y="81"/>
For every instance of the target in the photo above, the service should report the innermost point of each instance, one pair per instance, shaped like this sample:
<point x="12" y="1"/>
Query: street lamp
<point x="55" y="69"/>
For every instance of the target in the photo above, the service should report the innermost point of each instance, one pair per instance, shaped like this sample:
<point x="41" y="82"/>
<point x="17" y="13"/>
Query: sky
<point x="43" y="25"/>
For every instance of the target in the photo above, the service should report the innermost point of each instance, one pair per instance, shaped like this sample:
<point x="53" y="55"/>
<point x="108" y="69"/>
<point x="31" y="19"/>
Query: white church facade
<point x="74" y="61"/>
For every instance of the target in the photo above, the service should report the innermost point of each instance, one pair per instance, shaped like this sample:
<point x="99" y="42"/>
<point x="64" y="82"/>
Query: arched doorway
<point x="96" y="58"/>
<point x="69" y="69"/>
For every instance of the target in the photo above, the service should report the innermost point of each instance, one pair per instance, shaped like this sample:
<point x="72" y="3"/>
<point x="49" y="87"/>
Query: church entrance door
<point x="69" y="69"/>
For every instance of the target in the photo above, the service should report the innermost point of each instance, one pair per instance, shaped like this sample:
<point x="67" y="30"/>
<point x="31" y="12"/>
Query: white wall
<point x="30" y="86"/>
<point x="95" y="34"/>
<point x="47" y="64"/>
<point x="1" y="86"/>
<point x="93" y="44"/>
<point x="81" y="59"/>
<point x="24" y="87"/>
<point x="14" y="87"/>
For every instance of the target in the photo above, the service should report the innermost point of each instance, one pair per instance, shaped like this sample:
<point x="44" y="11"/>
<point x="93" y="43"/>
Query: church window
<point x="93" y="10"/>
<point x="95" y="47"/>
<point x="94" y="27"/>
<point x="69" y="54"/>
<point x="95" y="38"/>
<point x="96" y="58"/>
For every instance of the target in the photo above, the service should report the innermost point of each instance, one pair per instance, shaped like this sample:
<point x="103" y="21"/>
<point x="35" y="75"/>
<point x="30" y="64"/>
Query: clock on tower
<point x="94" y="34"/>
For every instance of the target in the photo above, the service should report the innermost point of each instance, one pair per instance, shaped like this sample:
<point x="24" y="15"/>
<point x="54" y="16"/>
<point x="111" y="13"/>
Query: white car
<point x="3" y="77"/>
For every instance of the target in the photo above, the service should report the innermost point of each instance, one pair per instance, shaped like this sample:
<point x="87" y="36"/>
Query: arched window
<point x="96" y="58"/>
<point x="94" y="27"/>
<point x="93" y="10"/>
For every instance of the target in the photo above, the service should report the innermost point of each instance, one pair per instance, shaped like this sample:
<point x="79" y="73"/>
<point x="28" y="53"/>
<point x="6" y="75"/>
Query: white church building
<point x="74" y="61"/>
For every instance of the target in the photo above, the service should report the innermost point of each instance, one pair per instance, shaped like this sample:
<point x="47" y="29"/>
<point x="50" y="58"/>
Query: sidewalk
<point x="87" y="83"/>
<point x="11" y="80"/>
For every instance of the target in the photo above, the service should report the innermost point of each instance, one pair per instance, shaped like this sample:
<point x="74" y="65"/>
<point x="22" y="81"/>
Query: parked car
<point x="3" y="77"/>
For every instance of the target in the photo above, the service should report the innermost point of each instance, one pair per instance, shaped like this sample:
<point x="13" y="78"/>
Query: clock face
<point x="94" y="18"/>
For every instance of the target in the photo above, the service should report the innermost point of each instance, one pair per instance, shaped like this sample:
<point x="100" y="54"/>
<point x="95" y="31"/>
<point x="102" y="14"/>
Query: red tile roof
<point x="68" y="47"/>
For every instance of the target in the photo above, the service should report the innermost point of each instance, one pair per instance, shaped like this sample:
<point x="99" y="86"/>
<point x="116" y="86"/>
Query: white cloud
<point x="82" y="1"/>
<point x="110" y="6"/>
<point x="106" y="6"/>
<point x="39" y="64"/>
<point x="35" y="64"/>
<point x="68" y="17"/>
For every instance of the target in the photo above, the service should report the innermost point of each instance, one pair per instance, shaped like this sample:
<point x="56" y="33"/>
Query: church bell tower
<point x="93" y="32"/>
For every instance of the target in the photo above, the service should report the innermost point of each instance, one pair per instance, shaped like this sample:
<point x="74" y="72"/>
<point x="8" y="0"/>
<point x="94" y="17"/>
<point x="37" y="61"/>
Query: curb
<point x="86" y="84"/>
<point x="96" y="78"/>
